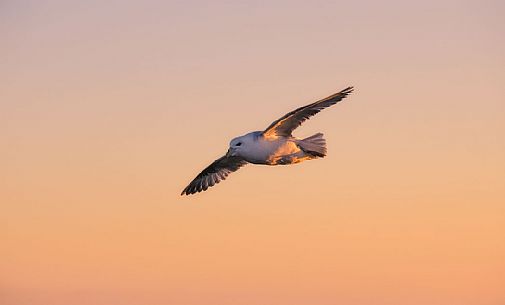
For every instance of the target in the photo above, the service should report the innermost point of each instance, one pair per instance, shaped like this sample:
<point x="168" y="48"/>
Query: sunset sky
<point x="108" y="109"/>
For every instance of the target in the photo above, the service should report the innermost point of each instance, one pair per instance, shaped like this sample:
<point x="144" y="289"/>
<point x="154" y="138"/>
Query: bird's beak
<point x="229" y="153"/>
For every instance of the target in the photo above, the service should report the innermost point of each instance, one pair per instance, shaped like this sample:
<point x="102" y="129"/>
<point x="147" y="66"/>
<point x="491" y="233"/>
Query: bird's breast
<point x="264" y="151"/>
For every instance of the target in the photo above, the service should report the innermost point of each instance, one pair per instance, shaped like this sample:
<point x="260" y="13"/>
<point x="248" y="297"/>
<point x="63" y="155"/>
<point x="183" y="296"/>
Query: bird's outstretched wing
<point x="214" y="173"/>
<point x="285" y="125"/>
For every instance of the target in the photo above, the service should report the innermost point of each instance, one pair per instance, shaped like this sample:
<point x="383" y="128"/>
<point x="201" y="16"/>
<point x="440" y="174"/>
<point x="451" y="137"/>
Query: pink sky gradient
<point x="108" y="110"/>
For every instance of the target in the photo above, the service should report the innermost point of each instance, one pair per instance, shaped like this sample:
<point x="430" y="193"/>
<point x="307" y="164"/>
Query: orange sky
<point x="108" y="110"/>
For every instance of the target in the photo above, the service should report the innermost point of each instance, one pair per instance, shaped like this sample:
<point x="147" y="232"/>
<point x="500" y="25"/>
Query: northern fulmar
<point x="273" y="146"/>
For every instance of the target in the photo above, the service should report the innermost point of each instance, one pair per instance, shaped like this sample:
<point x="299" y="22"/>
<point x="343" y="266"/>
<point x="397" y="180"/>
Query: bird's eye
<point x="238" y="144"/>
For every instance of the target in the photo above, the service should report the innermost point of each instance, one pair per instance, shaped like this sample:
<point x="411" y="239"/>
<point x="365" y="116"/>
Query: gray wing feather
<point x="214" y="173"/>
<point x="285" y="125"/>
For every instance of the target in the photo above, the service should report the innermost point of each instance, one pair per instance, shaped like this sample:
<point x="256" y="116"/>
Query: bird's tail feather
<point x="314" y="145"/>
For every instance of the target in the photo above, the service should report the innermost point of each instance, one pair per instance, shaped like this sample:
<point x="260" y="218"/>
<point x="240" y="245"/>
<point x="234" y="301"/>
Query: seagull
<point x="273" y="146"/>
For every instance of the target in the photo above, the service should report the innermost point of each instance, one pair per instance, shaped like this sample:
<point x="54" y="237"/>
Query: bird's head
<point x="240" y="144"/>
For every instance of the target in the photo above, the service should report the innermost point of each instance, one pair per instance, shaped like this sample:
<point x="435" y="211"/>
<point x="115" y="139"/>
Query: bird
<point x="273" y="146"/>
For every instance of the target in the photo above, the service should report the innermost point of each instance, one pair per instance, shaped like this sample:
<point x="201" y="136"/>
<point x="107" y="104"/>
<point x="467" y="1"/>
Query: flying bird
<point x="273" y="146"/>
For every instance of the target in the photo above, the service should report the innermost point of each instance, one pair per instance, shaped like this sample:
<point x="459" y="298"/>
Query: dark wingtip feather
<point x="347" y="90"/>
<point x="187" y="191"/>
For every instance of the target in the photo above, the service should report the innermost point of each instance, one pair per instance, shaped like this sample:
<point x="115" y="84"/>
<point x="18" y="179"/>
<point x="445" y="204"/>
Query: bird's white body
<point x="257" y="149"/>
